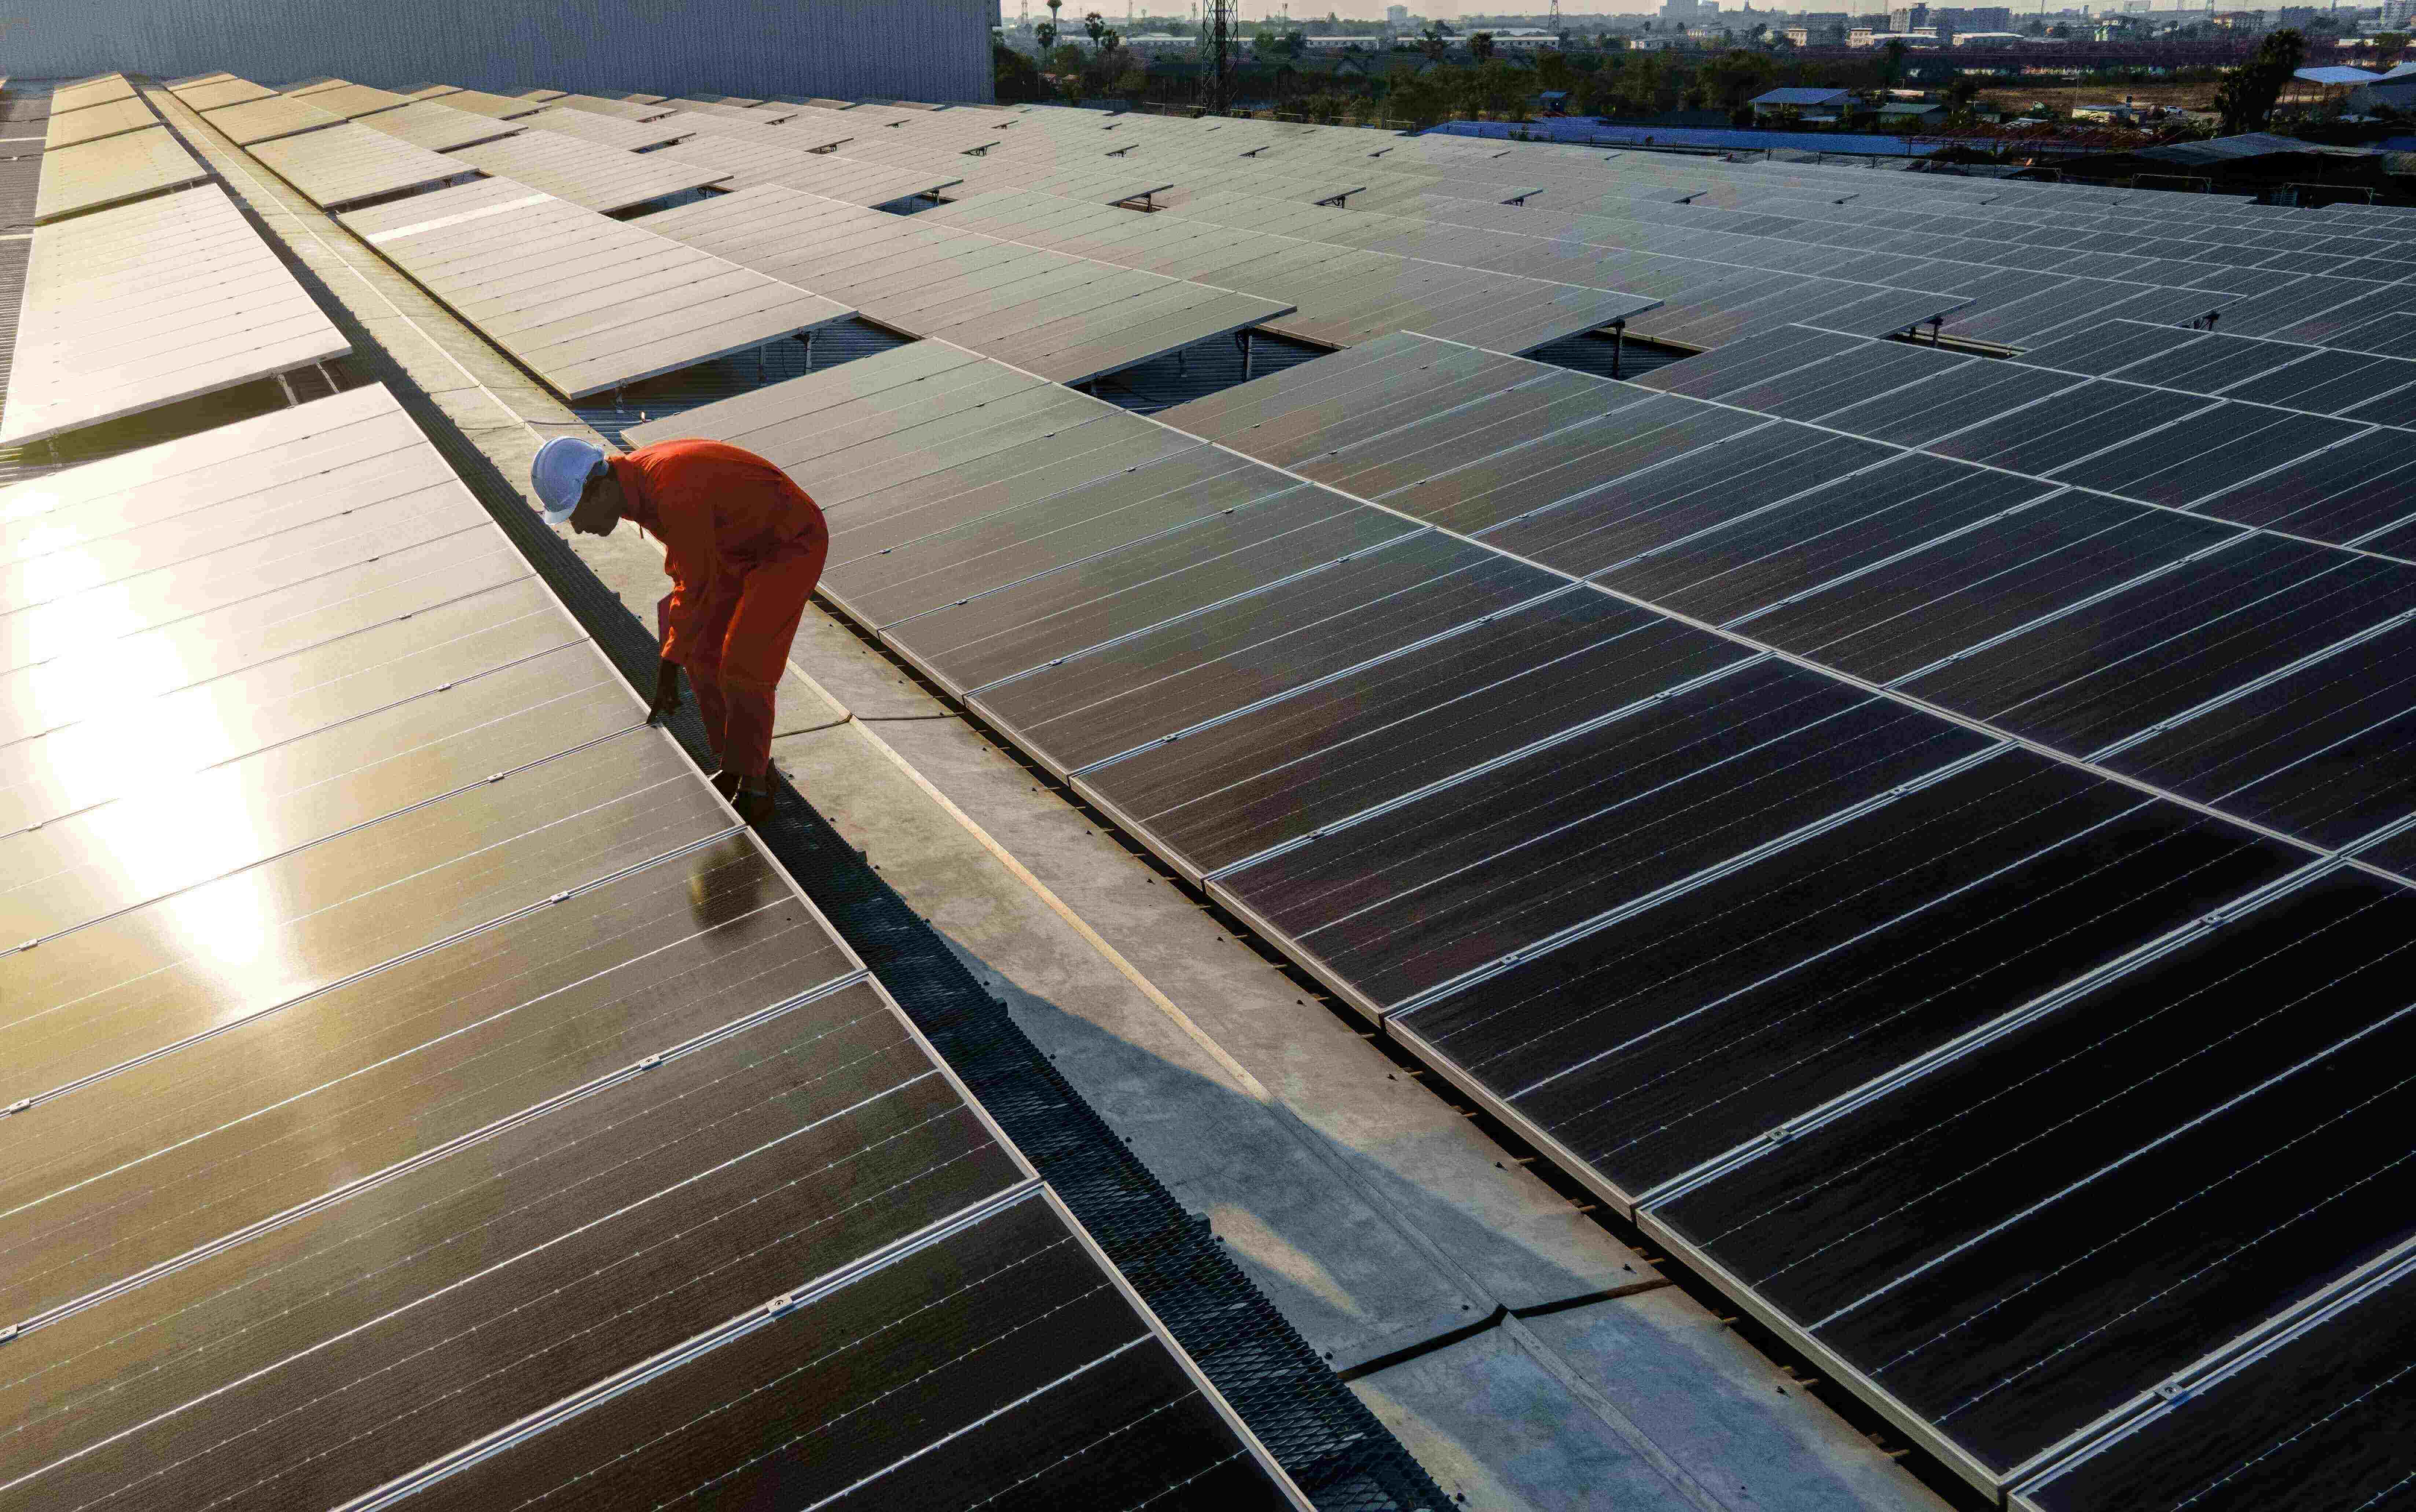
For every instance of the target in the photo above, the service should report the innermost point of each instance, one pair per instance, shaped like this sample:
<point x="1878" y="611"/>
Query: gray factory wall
<point x="936" y="50"/>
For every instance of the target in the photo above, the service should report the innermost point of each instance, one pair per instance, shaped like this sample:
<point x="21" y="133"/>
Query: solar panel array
<point x="1923" y="834"/>
<point x="420" y="1087"/>
<point x="1830" y="794"/>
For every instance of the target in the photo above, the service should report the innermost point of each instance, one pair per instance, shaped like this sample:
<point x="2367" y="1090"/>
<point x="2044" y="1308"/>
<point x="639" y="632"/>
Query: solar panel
<point x="2115" y="668"/>
<point x="748" y="162"/>
<point x="585" y="302"/>
<point x="596" y="105"/>
<point x="86" y="94"/>
<point x="605" y="130"/>
<point x="1154" y="688"/>
<point x="2133" y="1128"/>
<point x="112" y="171"/>
<point x="346" y="163"/>
<point x="499" y="107"/>
<point x="130" y="308"/>
<point x="349" y="100"/>
<point x="1024" y="1374"/>
<point x="69" y="128"/>
<point x="585" y="173"/>
<point x="434" y="124"/>
<point x="264" y="120"/>
<point x="223" y="90"/>
<point x="1275" y="774"/>
<point x="2313" y="1410"/>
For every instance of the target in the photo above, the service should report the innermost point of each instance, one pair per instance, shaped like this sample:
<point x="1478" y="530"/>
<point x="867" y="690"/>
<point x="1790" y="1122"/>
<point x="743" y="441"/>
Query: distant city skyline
<point x="1308" y="13"/>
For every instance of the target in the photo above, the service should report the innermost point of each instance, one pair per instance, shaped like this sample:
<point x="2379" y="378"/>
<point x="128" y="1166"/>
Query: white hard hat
<point x="560" y="475"/>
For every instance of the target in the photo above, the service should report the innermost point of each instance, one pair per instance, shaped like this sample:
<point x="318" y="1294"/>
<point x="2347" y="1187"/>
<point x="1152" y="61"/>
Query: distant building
<point x="1908" y="18"/>
<point x="1397" y="16"/>
<point x="1784" y="103"/>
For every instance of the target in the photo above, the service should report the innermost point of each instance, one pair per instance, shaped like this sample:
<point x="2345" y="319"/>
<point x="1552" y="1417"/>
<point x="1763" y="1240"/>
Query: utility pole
<point x="1220" y="46"/>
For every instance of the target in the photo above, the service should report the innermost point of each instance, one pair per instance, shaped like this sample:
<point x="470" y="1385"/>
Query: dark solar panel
<point x="578" y="1244"/>
<point x="1953" y="595"/>
<point x="2344" y="494"/>
<point x="1691" y="1028"/>
<point x="2101" y="349"/>
<point x="1976" y="1243"/>
<point x="993" y="1362"/>
<point x="1275" y="773"/>
<point x="2204" y="453"/>
<point x="1209" y="664"/>
<point x="2319" y="1421"/>
<point x="1398" y="903"/>
<point x="1948" y="403"/>
<point x="2113" y="667"/>
<point x="1024" y="625"/>
<point x="2062" y="428"/>
<point x="2320" y="752"/>
<point x="1861" y="520"/>
<point x="1613" y="522"/>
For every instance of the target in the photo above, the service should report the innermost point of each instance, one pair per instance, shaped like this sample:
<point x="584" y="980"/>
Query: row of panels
<point x="2017" y="287"/>
<point x="1716" y="928"/>
<point x="418" y="1078"/>
<point x="130" y="308"/>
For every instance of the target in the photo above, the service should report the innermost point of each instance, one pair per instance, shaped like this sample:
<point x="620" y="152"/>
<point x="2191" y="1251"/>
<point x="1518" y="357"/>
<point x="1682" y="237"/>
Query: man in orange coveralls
<point x="743" y="546"/>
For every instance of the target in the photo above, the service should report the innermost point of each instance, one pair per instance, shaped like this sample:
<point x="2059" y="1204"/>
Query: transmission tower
<point x="1554" y="24"/>
<point x="1220" y="48"/>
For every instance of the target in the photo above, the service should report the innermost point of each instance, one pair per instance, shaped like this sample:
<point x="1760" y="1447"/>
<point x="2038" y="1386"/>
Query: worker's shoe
<point x="754" y="805"/>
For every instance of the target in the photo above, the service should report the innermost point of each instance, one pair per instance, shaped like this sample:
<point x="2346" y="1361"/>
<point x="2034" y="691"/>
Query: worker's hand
<point x="667" y="692"/>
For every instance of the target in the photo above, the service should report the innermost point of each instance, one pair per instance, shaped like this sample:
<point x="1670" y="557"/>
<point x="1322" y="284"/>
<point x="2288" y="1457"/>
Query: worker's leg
<point x="771" y="601"/>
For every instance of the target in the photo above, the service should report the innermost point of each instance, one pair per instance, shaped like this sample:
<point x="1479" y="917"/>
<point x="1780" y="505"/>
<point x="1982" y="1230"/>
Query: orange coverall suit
<point x="744" y="548"/>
